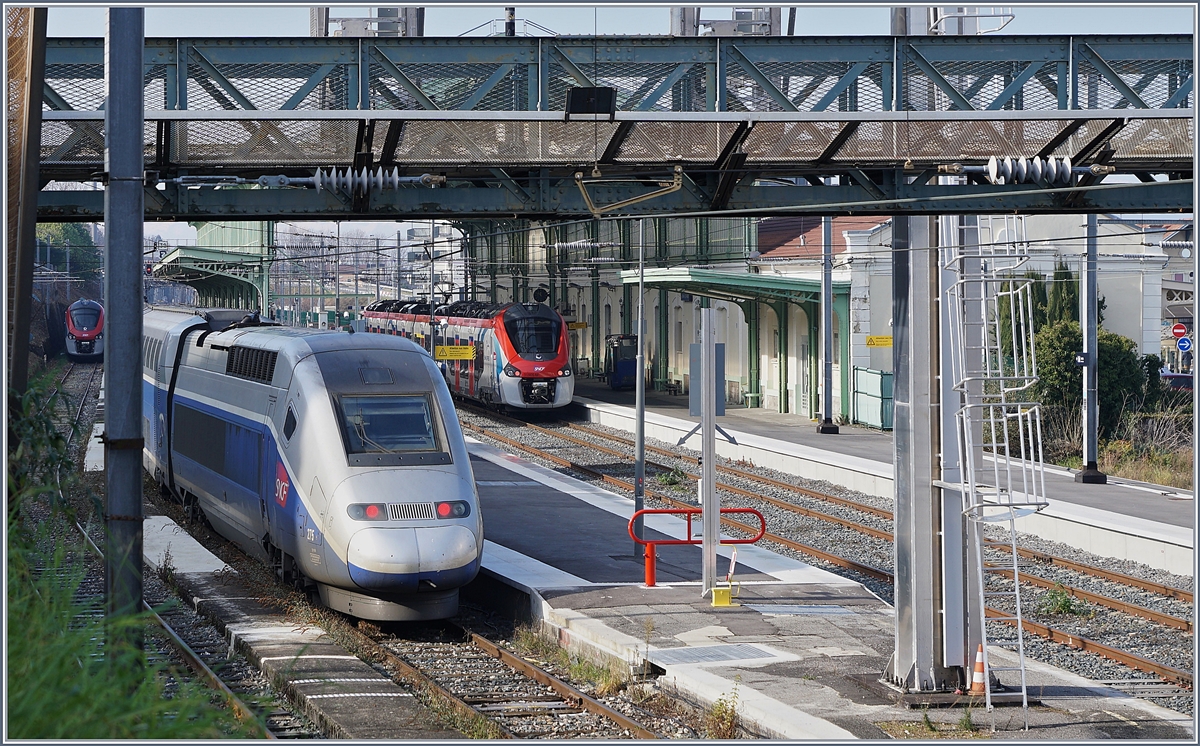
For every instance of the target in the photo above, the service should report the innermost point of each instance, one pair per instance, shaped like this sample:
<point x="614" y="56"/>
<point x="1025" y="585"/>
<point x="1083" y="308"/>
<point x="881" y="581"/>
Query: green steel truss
<point x="746" y="119"/>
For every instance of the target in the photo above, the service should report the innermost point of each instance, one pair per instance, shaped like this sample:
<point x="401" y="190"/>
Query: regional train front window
<point x="533" y="336"/>
<point x="85" y="319"/>
<point x="388" y="424"/>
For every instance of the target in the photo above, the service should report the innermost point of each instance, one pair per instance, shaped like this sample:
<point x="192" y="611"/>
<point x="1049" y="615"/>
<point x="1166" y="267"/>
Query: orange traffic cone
<point x="978" y="680"/>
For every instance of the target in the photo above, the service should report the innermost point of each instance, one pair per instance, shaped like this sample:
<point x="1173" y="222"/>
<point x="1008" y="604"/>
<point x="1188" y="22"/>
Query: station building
<point x="763" y="278"/>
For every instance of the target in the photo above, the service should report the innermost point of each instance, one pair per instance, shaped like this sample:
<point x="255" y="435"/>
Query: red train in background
<point x="85" y="331"/>
<point x="521" y="359"/>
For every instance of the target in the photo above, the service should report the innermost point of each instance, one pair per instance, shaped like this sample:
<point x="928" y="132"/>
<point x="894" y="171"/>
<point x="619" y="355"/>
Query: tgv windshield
<point x="531" y="336"/>
<point x="388" y="424"/>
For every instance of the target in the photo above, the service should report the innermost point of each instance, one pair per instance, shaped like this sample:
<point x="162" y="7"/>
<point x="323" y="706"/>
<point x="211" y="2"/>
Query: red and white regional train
<point x="521" y="357"/>
<point x="85" y="331"/>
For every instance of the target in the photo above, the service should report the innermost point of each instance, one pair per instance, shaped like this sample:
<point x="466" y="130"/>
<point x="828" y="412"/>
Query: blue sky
<point x="443" y="20"/>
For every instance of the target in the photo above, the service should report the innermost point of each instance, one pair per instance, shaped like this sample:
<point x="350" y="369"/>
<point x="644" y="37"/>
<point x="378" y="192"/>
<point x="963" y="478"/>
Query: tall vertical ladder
<point x="999" y="428"/>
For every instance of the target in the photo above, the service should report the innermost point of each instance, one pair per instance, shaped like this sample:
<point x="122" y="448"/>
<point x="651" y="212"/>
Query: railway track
<point x="504" y="695"/>
<point x="74" y="392"/>
<point x="483" y="682"/>
<point x="1068" y="638"/>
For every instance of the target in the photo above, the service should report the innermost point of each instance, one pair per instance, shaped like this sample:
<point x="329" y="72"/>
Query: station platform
<point x="1123" y="519"/>
<point x="800" y="656"/>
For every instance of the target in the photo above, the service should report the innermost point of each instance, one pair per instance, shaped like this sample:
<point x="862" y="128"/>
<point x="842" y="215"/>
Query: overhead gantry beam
<point x="747" y="119"/>
<point x="650" y="73"/>
<point x="522" y="164"/>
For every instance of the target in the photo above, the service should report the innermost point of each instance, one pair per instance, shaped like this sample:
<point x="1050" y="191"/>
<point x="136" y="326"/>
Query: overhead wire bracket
<point x="675" y="185"/>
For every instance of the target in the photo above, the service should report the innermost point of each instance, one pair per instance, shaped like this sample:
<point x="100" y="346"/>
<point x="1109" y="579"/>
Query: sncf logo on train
<point x="282" y="485"/>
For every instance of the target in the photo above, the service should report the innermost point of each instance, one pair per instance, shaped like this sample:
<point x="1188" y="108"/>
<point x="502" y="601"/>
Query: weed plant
<point x="721" y="720"/>
<point x="68" y="677"/>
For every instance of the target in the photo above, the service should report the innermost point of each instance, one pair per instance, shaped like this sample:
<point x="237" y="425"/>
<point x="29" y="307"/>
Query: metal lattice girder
<point x="650" y="73"/>
<point x="473" y="143"/>
<point x="559" y="199"/>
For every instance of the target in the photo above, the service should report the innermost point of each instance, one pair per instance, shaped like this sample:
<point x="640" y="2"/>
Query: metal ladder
<point x="999" y="429"/>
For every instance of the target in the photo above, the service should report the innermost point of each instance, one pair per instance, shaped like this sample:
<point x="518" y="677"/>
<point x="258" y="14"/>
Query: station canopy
<point x="764" y="287"/>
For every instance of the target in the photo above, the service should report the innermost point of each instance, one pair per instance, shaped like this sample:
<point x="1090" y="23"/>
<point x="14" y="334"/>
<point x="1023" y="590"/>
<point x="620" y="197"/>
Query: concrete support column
<point x="918" y="661"/>
<point x="123" y="215"/>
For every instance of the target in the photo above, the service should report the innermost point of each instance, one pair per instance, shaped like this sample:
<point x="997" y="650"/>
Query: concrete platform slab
<point x="1126" y="520"/>
<point x="789" y="655"/>
<point x="346" y="697"/>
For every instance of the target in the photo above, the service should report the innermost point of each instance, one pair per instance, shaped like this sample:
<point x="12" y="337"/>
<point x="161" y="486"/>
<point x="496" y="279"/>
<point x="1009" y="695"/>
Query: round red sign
<point x="1179" y="330"/>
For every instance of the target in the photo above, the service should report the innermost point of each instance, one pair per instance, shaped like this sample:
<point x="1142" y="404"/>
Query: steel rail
<point x="868" y="530"/>
<point x="404" y="672"/>
<point x="1148" y="585"/>
<point x="628" y="486"/>
<point x="57" y="386"/>
<point x="1116" y="577"/>
<point x="1131" y="659"/>
<point x="240" y="710"/>
<point x="561" y="687"/>
<point x="1179" y="676"/>
<point x="1159" y="617"/>
<point x="881" y="512"/>
<point x="407" y="673"/>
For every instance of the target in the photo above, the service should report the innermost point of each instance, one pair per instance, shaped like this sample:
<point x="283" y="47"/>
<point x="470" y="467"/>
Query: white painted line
<point x="339" y="681"/>
<point x="308" y="657"/>
<point x="358" y="694"/>
<point x="525" y="570"/>
<point x="161" y="535"/>
<point x="783" y="568"/>
<point x="93" y="458"/>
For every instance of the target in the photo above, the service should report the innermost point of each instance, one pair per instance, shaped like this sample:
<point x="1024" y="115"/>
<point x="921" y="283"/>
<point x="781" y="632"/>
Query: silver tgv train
<point x="335" y="457"/>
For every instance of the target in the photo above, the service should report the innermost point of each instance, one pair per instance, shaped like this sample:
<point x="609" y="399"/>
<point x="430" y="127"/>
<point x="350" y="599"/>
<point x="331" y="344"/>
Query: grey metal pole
<point x="70" y="295"/>
<point x="827" y="425"/>
<point x="377" y="269"/>
<point x="639" y="469"/>
<point x="711" y="509"/>
<point x="431" y="266"/>
<point x="123" y="214"/>
<point x="1090" y="474"/>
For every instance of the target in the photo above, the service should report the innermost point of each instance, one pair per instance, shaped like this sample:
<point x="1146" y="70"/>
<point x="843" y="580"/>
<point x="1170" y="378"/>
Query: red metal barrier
<point x="652" y="544"/>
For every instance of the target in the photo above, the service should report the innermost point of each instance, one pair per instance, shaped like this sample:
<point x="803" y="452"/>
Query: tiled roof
<point x="800" y="237"/>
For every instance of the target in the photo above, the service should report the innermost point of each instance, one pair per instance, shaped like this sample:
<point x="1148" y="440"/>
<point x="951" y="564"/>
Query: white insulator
<point x="992" y="170"/>
<point x="377" y="180"/>
<point x="1064" y="170"/>
<point x="1021" y="168"/>
<point x="345" y="181"/>
<point x="394" y="178"/>
<point x="1006" y="168"/>
<point x="317" y="180"/>
<point x="1051" y="170"/>
<point x="1035" y="170"/>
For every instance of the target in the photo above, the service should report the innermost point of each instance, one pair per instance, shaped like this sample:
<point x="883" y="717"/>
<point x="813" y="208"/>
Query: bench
<point x="673" y="388"/>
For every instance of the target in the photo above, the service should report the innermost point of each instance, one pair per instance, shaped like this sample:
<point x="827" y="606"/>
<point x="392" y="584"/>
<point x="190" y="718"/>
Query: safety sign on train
<point x="454" y="352"/>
